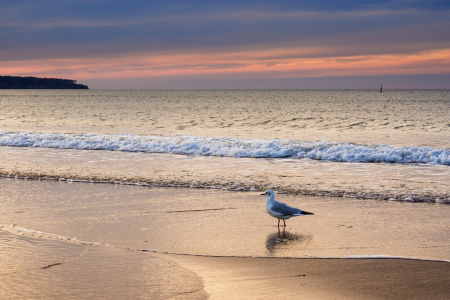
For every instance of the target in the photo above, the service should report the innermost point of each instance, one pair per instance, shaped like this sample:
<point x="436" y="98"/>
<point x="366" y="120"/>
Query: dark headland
<point x="17" y="82"/>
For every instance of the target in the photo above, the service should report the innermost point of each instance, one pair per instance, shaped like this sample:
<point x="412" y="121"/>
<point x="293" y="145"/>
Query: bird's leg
<point x="284" y="223"/>
<point x="278" y="223"/>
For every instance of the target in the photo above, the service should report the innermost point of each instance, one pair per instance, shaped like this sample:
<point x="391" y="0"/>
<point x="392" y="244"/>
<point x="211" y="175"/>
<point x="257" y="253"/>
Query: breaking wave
<point x="230" y="147"/>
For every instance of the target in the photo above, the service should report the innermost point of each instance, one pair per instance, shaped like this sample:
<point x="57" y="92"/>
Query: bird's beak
<point x="263" y="194"/>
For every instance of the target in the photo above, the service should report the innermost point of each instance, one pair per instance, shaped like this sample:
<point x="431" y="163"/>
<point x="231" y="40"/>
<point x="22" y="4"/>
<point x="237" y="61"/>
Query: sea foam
<point x="230" y="147"/>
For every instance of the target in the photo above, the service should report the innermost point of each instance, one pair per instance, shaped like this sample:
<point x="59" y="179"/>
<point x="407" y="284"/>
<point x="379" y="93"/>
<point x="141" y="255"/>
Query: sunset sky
<point x="229" y="44"/>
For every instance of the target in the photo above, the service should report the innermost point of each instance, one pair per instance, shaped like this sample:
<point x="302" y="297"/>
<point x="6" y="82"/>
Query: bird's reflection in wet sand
<point x="284" y="239"/>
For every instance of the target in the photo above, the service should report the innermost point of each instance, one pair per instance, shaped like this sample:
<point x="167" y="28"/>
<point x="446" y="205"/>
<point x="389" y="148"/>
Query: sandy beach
<point x="96" y="241"/>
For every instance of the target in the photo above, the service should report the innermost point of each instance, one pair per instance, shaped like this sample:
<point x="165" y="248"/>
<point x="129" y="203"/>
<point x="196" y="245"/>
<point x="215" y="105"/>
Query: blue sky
<point x="229" y="44"/>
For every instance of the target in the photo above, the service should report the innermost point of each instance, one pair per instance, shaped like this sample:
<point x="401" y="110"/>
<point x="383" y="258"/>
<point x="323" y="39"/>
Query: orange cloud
<point x="276" y="63"/>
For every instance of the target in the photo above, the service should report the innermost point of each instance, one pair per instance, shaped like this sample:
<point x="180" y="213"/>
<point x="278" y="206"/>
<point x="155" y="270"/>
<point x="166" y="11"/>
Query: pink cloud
<point x="284" y="62"/>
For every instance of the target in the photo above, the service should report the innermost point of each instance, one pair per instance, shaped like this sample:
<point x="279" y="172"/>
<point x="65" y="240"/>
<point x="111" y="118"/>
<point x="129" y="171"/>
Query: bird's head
<point x="269" y="193"/>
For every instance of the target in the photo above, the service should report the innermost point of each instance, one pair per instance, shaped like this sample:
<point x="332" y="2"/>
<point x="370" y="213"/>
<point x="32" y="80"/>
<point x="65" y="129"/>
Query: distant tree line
<point x="17" y="82"/>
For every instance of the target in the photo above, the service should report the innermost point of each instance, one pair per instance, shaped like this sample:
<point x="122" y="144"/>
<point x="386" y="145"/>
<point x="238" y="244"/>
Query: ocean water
<point x="394" y="118"/>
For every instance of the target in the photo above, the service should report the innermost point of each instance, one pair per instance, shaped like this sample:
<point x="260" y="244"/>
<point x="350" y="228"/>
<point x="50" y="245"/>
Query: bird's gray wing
<point x="285" y="209"/>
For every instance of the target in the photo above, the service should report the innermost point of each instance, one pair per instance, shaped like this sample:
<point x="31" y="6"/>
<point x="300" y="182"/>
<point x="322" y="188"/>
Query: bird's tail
<point x="306" y="213"/>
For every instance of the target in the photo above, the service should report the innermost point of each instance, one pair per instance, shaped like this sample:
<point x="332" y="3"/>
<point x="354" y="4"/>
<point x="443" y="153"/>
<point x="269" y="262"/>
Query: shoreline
<point x="195" y="184"/>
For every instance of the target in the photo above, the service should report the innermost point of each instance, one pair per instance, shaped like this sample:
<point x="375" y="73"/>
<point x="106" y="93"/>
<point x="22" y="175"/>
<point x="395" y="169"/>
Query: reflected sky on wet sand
<point x="224" y="223"/>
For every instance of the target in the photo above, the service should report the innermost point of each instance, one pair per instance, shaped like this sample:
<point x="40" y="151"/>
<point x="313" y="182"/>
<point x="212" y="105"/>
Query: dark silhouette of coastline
<point x="17" y="82"/>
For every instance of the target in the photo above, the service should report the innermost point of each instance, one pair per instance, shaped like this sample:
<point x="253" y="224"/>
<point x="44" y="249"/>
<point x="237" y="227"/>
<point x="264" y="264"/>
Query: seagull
<point x="281" y="210"/>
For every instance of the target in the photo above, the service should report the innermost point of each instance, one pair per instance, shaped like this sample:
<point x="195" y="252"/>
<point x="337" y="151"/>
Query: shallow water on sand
<point x="221" y="223"/>
<point x="39" y="268"/>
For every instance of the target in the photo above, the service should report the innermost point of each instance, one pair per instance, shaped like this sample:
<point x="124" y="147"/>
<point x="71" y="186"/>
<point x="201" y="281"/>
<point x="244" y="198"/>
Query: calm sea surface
<point x="392" y="117"/>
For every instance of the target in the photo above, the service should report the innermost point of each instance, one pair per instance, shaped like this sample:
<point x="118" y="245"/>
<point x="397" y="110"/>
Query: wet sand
<point x="221" y="223"/>
<point x="37" y="268"/>
<point x="275" y="278"/>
